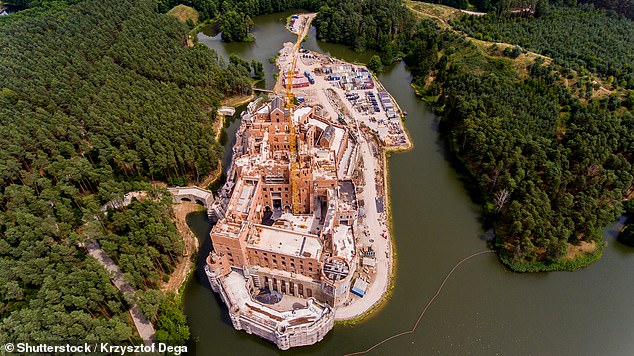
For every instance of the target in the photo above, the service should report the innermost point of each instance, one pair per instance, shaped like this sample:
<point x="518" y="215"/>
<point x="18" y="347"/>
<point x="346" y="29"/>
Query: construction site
<point x="301" y="236"/>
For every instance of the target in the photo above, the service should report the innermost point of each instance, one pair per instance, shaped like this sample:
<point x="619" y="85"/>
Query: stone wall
<point x="280" y="333"/>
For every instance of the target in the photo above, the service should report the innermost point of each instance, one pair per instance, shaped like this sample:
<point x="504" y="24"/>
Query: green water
<point x="483" y="309"/>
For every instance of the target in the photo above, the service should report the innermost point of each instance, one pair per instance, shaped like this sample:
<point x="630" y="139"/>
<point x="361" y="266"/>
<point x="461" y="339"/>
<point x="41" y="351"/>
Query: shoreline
<point x="191" y="247"/>
<point x="237" y="100"/>
<point x="381" y="303"/>
<point x="561" y="265"/>
<point x="470" y="183"/>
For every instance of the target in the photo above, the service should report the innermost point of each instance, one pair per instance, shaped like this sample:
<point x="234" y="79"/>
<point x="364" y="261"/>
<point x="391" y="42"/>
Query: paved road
<point x="474" y="13"/>
<point x="374" y="219"/>
<point x="376" y="225"/>
<point x="143" y="326"/>
<point x="279" y="88"/>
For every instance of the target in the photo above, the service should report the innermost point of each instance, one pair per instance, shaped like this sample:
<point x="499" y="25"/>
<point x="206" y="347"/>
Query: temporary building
<point x="359" y="287"/>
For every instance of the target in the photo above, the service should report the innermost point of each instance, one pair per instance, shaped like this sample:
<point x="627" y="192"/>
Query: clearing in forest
<point x="184" y="13"/>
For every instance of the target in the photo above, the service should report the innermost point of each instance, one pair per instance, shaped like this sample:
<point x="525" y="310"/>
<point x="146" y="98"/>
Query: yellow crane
<point x="289" y="103"/>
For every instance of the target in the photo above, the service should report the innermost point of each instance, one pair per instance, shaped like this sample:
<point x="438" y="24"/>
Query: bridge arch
<point x="192" y="194"/>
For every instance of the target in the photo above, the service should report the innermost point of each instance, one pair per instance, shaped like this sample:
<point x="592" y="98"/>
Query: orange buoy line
<point x="426" y="307"/>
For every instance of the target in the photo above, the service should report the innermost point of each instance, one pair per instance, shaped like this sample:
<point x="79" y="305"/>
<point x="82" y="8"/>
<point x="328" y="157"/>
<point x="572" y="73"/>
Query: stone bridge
<point x="227" y="110"/>
<point x="193" y="194"/>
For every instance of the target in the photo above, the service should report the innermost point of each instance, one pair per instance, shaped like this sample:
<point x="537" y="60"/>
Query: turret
<point x="217" y="267"/>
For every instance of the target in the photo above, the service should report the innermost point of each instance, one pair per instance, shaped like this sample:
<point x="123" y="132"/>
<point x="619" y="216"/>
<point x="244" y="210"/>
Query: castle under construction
<point x="284" y="241"/>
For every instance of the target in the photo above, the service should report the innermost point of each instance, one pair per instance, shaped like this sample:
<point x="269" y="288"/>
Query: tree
<point x="542" y="8"/>
<point x="258" y="69"/>
<point x="150" y="303"/>
<point x="501" y="198"/>
<point x="126" y="112"/>
<point x="235" y="26"/>
<point x="172" y="326"/>
<point x="627" y="235"/>
<point x="375" y="63"/>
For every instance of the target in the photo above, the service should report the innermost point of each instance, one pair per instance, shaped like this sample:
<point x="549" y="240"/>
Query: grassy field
<point x="439" y="13"/>
<point x="442" y="15"/>
<point x="184" y="13"/>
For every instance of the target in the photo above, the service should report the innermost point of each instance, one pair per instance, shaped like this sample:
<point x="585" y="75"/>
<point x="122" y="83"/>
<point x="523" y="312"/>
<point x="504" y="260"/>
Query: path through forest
<point x="143" y="326"/>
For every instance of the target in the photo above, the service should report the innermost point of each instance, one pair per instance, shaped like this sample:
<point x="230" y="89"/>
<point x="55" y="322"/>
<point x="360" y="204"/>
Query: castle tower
<point x="218" y="266"/>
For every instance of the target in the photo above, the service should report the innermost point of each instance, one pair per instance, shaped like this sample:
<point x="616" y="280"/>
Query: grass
<point x="487" y="56"/>
<point x="442" y="15"/>
<point x="184" y="13"/>
<point x="439" y="13"/>
<point x="563" y="264"/>
<point x="238" y="100"/>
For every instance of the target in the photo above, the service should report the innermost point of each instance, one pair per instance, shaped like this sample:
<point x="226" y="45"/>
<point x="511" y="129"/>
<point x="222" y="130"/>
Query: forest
<point x="551" y="170"/>
<point x="371" y="24"/>
<point x="579" y="39"/>
<point x="142" y="240"/>
<point x="359" y="24"/>
<point x="537" y="7"/>
<point x="87" y="113"/>
<point x="234" y="16"/>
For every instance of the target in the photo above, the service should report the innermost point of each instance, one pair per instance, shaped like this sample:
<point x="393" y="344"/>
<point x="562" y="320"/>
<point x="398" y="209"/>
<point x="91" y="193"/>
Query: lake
<point x="483" y="309"/>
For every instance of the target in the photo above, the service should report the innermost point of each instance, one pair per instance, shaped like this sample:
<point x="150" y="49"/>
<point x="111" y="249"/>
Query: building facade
<point x="286" y="223"/>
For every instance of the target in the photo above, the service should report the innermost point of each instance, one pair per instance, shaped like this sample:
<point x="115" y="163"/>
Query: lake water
<point x="483" y="309"/>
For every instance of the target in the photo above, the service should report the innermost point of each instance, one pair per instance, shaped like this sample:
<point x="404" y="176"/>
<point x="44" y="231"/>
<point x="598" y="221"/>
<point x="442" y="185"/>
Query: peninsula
<point x="301" y="237"/>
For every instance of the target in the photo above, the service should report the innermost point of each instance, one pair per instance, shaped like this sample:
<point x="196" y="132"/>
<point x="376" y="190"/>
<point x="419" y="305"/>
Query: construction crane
<point x="290" y="98"/>
<point x="289" y="103"/>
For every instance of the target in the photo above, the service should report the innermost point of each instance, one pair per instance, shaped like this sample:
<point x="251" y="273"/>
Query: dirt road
<point x="144" y="327"/>
<point x="191" y="246"/>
